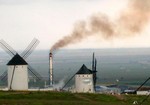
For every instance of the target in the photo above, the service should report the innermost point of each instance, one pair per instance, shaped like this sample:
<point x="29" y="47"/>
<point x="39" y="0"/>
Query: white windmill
<point x="85" y="79"/>
<point x="17" y="73"/>
<point x="18" y="68"/>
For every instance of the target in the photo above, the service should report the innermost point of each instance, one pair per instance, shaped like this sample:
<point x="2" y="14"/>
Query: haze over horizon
<point x="51" y="20"/>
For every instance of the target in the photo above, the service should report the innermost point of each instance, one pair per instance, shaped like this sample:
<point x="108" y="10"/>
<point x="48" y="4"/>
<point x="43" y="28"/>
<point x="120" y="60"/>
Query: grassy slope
<point x="59" y="98"/>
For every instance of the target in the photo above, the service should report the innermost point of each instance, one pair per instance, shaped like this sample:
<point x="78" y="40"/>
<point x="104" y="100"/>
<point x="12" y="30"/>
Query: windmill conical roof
<point x="84" y="70"/>
<point x="17" y="60"/>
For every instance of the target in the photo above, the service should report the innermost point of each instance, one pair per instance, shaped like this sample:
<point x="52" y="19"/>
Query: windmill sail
<point x="30" y="48"/>
<point x="7" y="48"/>
<point x="3" y="77"/>
<point x="34" y="73"/>
<point x="94" y="73"/>
<point x="94" y="64"/>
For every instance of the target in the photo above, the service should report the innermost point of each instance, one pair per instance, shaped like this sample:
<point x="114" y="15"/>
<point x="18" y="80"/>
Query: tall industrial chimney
<point x="50" y="69"/>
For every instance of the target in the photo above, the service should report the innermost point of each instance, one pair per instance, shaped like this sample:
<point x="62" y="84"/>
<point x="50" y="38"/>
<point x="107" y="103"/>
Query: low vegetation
<point x="65" y="98"/>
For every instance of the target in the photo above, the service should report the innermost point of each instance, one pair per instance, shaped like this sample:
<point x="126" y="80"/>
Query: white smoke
<point x="59" y="85"/>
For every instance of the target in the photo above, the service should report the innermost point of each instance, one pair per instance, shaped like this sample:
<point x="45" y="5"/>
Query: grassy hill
<point x="65" y="98"/>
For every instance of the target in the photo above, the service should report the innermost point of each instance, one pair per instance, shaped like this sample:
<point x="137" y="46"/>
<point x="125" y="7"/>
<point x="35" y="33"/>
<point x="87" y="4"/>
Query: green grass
<point x="65" y="98"/>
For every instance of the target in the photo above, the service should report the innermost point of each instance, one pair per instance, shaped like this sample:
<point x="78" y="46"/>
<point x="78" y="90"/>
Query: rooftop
<point x="17" y="60"/>
<point x="84" y="70"/>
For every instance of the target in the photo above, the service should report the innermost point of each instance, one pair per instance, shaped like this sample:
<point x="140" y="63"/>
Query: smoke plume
<point x="60" y="84"/>
<point x="130" y="22"/>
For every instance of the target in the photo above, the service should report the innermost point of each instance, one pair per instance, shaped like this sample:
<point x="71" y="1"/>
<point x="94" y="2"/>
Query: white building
<point x="143" y="92"/>
<point x="84" y="80"/>
<point x="17" y="73"/>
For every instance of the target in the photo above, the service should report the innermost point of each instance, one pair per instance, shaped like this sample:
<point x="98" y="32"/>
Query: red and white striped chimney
<point x="50" y="69"/>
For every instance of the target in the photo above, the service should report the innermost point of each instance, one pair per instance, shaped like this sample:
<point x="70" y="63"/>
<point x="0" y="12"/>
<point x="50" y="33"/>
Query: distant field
<point x="65" y="98"/>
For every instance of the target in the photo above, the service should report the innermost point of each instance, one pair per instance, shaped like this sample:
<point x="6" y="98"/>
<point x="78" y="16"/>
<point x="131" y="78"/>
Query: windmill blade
<point x="145" y="99"/>
<point x="3" y="77"/>
<point x="68" y="81"/>
<point x="34" y="73"/>
<point x="142" y="84"/>
<point x="94" y="72"/>
<point x="7" y="48"/>
<point x="95" y="65"/>
<point x="30" y="48"/>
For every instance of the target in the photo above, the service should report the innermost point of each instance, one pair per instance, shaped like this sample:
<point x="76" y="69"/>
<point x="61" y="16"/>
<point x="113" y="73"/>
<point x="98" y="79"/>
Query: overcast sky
<point x="50" y="20"/>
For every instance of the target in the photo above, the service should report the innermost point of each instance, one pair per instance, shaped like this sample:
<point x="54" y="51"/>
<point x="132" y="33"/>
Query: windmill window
<point x="16" y="66"/>
<point x="83" y="75"/>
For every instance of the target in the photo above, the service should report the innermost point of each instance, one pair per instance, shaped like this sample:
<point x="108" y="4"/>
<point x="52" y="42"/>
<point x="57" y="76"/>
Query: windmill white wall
<point x="17" y="73"/>
<point x="84" y="83"/>
<point x="20" y="78"/>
